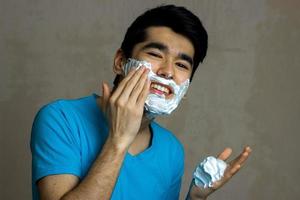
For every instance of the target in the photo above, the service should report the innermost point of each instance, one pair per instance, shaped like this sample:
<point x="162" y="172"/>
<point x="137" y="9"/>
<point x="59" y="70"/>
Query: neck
<point x="143" y="139"/>
<point x="145" y="123"/>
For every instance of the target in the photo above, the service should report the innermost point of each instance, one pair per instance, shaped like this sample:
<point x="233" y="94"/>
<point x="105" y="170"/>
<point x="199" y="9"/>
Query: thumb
<point x="106" y="92"/>
<point x="225" y="154"/>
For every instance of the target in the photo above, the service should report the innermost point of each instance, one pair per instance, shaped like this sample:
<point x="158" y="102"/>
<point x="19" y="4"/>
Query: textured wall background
<point x="246" y="92"/>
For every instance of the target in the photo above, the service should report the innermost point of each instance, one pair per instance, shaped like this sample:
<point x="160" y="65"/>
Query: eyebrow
<point x="187" y="58"/>
<point x="155" y="45"/>
<point x="162" y="47"/>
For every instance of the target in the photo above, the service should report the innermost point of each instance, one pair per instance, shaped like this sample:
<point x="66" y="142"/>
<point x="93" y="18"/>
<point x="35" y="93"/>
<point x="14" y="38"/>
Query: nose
<point x="166" y="70"/>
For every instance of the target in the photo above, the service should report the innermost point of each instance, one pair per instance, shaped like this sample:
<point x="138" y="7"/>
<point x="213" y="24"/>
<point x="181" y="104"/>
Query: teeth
<point x="161" y="88"/>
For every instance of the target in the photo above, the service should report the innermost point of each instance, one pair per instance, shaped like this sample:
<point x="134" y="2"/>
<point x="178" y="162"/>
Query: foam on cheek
<point x="157" y="104"/>
<point x="135" y="64"/>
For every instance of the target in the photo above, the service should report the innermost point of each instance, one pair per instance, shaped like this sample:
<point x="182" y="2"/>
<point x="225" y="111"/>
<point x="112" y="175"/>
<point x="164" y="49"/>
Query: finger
<point x="128" y="88"/>
<point x="102" y="97"/>
<point x="234" y="169"/>
<point x="144" y="94"/>
<point x="236" y="164"/>
<point x="106" y="92"/>
<point x="240" y="160"/>
<point x="225" y="154"/>
<point x="230" y="171"/>
<point x="139" y="87"/>
<point x="122" y="84"/>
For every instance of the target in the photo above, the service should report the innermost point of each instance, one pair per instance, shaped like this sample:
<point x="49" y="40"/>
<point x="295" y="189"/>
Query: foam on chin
<point x="158" y="104"/>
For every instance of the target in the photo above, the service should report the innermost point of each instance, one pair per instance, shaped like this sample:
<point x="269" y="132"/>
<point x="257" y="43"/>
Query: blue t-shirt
<point x="67" y="136"/>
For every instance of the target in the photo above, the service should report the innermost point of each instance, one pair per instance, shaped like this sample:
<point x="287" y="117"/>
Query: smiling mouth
<point x="161" y="89"/>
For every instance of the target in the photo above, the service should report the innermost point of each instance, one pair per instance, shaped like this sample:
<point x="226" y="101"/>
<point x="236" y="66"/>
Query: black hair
<point x="179" y="19"/>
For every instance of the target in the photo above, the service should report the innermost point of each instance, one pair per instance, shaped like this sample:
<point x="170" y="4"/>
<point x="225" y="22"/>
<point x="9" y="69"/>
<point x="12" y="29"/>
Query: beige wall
<point x="246" y="92"/>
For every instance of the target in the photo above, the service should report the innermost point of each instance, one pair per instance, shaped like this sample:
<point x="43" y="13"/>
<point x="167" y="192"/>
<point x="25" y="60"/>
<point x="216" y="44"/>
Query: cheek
<point x="154" y="62"/>
<point x="181" y="76"/>
<point x="154" y="65"/>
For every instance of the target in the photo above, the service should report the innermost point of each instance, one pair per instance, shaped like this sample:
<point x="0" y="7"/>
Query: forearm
<point x="101" y="178"/>
<point x="190" y="197"/>
<point x="194" y="194"/>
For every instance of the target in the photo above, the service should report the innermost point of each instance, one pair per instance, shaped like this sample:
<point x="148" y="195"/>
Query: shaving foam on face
<point x="158" y="104"/>
<point x="209" y="171"/>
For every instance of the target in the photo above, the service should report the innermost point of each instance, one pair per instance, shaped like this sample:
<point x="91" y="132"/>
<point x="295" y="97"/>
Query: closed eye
<point x="182" y="65"/>
<point x="154" y="54"/>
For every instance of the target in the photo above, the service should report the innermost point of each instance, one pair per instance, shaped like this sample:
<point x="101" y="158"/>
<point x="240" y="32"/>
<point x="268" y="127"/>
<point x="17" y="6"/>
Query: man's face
<point x="170" y="54"/>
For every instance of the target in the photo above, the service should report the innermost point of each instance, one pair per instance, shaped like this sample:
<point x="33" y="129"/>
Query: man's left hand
<point x="197" y="193"/>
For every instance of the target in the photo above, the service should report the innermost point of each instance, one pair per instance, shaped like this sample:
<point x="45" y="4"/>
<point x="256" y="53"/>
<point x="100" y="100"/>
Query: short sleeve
<point x="54" y="146"/>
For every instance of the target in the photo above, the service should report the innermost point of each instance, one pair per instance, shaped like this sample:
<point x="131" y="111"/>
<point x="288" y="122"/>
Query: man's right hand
<point x="125" y="106"/>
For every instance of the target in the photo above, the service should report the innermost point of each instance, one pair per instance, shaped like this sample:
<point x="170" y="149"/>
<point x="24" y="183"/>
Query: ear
<point x="119" y="61"/>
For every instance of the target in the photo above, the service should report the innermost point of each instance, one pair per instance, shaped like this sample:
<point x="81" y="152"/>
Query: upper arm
<point x="56" y="158"/>
<point x="54" y="187"/>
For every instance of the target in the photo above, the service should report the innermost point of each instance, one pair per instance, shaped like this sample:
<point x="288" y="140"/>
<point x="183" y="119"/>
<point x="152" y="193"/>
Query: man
<point x="109" y="147"/>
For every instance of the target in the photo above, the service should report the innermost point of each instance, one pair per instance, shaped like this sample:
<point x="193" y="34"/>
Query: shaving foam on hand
<point x="209" y="171"/>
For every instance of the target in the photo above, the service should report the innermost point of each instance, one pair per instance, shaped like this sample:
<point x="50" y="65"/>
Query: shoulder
<point x="61" y="108"/>
<point x="59" y="117"/>
<point x="64" y="103"/>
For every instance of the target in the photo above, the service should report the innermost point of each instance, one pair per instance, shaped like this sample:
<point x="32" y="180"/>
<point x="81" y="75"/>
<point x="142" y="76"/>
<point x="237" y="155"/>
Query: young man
<point x="109" y="147"/>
